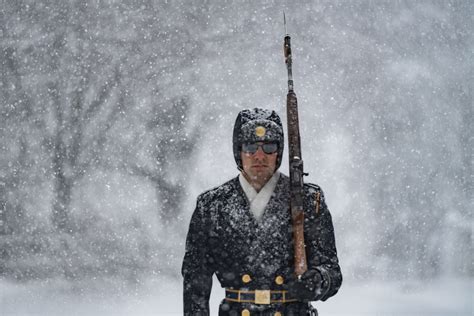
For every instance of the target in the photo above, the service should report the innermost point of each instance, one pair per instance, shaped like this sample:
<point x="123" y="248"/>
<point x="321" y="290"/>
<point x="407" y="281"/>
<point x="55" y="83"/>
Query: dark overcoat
<point x="226" y="239"/>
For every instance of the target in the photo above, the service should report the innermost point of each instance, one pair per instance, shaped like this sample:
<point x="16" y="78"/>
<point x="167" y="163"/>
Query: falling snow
<point x="116" y="115"/>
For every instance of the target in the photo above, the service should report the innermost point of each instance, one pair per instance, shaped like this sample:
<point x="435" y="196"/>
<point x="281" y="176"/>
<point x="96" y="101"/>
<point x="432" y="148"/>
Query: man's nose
<point x="259" y="153"/>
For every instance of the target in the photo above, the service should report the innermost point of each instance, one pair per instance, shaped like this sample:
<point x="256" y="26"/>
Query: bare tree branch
<point x="104" y="94"/>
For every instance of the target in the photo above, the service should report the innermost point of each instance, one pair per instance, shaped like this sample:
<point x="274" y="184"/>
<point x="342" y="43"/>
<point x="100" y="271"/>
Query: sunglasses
<point x="267" y="148"/>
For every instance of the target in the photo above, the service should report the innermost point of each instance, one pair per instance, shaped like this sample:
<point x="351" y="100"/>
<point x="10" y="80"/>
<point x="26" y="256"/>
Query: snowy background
<point x="115" y="115"/>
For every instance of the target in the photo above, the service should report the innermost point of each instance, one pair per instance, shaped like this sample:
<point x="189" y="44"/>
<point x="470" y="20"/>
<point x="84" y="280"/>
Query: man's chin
<point x="260" y="175"/>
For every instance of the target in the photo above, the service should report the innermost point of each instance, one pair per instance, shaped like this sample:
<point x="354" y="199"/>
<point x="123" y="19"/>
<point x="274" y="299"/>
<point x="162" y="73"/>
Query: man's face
<point x="258" y="166"/>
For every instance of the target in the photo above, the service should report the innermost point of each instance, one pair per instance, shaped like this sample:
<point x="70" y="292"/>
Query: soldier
<point x="242" y="232"/>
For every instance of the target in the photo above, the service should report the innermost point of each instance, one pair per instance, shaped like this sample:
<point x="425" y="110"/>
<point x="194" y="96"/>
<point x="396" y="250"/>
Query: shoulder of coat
<point x="219" y="191"/>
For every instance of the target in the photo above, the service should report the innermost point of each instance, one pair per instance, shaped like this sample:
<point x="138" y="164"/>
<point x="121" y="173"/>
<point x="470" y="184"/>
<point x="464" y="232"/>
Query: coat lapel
<point x="273" y="235"/>
<point x="238" y="210"/>
<point x="276" y="213"/>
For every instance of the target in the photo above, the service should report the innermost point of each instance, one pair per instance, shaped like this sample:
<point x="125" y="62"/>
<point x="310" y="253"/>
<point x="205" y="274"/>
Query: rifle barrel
<point x="296" y="166"/>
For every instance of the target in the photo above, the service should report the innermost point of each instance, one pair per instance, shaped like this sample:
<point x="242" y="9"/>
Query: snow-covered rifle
<point x="296" y="165"/>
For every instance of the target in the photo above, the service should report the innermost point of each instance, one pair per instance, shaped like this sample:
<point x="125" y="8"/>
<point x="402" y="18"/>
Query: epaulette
<point x="313" y="186"/>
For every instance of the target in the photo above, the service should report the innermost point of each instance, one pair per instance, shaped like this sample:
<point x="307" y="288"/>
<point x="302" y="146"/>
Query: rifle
<point x="296" y="165"/>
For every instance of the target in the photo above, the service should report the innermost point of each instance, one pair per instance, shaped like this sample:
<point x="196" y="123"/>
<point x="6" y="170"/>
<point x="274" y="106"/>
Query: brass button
<point x="277" y="314"/>
<point x="279" y="280"/>
<point x="245" y="312"/>
<point x="246" y="278"/>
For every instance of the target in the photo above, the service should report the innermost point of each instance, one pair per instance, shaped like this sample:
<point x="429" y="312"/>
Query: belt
<point x="258" y="296"/>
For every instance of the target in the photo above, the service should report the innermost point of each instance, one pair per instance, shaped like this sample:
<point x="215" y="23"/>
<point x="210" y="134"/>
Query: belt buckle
<point x="262" y="296"/>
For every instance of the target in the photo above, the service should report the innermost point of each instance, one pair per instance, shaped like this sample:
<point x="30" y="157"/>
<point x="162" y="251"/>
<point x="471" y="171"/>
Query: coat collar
<point x="258" y="201"/>
<point x="277" y="205"/>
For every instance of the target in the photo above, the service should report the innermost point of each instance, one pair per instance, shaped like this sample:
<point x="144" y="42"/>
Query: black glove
<point x="307" y="288"/>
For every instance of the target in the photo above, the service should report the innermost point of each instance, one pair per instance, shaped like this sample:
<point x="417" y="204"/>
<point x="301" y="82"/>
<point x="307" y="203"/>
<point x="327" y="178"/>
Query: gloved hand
<point x="306" y="288"/>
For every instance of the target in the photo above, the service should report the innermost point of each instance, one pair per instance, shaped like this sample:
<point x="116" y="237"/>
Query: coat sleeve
<point x="321" y="246"/>
<point x="197" y="267"/>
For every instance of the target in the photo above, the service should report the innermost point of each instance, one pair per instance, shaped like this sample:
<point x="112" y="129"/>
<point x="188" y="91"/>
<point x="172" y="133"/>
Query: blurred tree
<point x="81" y="62"/>
<point x="170" y="150"/>
<point x="72" y="82"/>
<point x="159" y="137"/>
<point x="17" y="124"/>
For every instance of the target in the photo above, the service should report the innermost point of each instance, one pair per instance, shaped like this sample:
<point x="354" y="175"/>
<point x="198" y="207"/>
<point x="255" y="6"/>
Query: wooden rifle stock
<point x="296" y="184"/>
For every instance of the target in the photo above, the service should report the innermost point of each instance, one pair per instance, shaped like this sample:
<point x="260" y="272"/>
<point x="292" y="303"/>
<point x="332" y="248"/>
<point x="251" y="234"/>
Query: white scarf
<point x="258" y="201"/>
